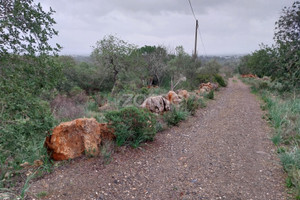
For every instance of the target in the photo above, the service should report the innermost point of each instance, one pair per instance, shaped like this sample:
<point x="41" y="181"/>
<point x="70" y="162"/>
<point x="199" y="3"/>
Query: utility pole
<point x="195" y="51"/>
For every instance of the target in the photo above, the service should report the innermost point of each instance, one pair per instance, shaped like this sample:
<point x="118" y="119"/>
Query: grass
<point x="174" y="116"/>
<point x="210" y="95"/>
<point x="283" y="114"/>
<point x="107" y="150"/>
<point x="42" y="194"/>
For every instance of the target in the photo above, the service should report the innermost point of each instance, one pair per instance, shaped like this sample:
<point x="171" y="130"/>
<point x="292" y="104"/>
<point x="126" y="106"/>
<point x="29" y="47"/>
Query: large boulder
<point x="173" y="97"/>
<point x="183" y="94"/>
<point x="208" y="86"/>
<point x="156" y="104"/>
<point x="72" y="139"/>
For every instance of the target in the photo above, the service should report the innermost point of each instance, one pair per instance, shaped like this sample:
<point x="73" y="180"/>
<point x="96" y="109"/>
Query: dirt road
<point x="222" y="153"/>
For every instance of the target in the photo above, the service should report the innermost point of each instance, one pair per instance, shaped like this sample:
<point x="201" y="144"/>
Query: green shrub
<point x="202" y="103"/>
<point x="144" y="90"/>
<point x="22" y="137"/>
<point x="204" y="78"/>
<point x="92" y="106"/>
<point x="132" y="125"/>
<point x="174" y="116"/>
<point x="210" y="95"/>
<point x="192" y="104"/>
<point x="290" y="159"/>
<point x="220" y="80"/>
<point x="263" y="85"/>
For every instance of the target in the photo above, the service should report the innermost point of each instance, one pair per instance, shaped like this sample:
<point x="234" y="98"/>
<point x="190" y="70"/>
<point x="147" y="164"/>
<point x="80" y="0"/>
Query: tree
<point x="154" y="63"/>
<point x="177" y="66"/>
<point x="287" y="37"/>
<point x="27" y="75"/>
<point x="287" y="30"/>
<point x="25" y="28"/>
<point x="260" y="62"/>
<point x="112" y="54"/>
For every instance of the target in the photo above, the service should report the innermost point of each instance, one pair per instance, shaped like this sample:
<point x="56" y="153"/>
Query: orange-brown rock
<point x="248" y="76"/>
<point x="208" y="86"/>
<point x="202" y="91"/>
<point x="183" y="93"/>
<point x="72" y="139"/>
<point x="106" y="133"/>
<point x="173" y="97"/>
<point x="156" y="104"/>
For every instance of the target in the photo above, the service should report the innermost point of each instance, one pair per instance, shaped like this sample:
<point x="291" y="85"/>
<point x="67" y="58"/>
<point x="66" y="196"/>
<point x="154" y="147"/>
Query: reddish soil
<point x="224" y="152"/>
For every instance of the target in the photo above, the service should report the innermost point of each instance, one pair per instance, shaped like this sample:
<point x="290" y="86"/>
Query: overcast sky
<point x="227" y="26"/>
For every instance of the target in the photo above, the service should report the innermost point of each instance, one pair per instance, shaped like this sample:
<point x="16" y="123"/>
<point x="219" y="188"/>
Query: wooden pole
<point x="196" y="32"/>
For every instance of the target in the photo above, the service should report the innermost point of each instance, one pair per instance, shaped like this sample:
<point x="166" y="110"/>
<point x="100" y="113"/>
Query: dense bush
<point x="210" y="95"/>
<point x="192" y="104"/>
<point x="132" y="125"/>
<point x="204" y="78"/>
<point x="174" y="116"/>
<point x="28" y="75"/>
<point x="25" y="115"/>
<point x="65" y="108"/>
<point x="220" y="80"/>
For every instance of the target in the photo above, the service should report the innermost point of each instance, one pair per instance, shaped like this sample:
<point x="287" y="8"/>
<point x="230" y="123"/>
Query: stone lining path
<point x="222" y="153"/>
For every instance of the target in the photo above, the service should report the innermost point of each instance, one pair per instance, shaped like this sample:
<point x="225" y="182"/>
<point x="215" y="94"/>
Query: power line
<point x="198" y="28"/>
<point x="192" y="9"/>
<point x="202" y="42"/>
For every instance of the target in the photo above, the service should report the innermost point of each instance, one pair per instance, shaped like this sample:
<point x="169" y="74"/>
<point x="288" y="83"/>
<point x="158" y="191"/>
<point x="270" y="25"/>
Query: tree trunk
<point x="113" y="90"/>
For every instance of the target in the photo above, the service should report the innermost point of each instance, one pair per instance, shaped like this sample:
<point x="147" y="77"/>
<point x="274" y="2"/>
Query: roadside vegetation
<point x="278" y="84"/>
<point x="39" y="89"/>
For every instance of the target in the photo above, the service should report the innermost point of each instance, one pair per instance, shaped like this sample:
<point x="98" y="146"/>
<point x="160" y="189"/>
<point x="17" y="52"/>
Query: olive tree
<point x="113" y="56"/>
<point x="155" y="63"/>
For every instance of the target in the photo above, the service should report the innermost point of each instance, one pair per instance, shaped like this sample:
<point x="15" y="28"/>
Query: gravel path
<point x="222" y="153"/>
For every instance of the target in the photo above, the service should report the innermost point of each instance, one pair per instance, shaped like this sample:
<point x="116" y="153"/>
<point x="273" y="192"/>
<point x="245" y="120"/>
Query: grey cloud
<point x="227" y="26"/>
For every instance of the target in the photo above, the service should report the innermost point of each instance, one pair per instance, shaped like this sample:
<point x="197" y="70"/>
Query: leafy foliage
<point x="210" y="95"/>
<point x="132" y="125"/>
<point x="192" y="104"/>
<point x="174" y="116"/>
<point x="25" y="28"/>
<point x="113" y="55"/>
<point x="220" y="80"/>
<point x="27" y="77"/>
<point x="260" y="62"/>
<point x="281" y="61"/>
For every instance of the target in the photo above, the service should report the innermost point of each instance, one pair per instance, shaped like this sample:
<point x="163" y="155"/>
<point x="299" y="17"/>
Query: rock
<point x="156" y="104"/>
<point x="202" y="91"/>
<point x="185" y="94"/>
<point x="25" y="164"/>
<point x="173" y="97"/>
<point x="208" y="86"/>
<point x="38" y="163"/>
<point x="214" y="86"/>
<point x="106" y="133"/>
<point x="248" y="76"/>
<point x="71" y="139"/>
<point x="266" y="78"/>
